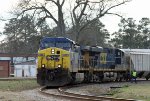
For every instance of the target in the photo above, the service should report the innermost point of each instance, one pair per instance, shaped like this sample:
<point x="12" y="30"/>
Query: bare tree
<point x="44" y="10"/>
<point x="81" y="10"/>
<point x="91" y="10"/>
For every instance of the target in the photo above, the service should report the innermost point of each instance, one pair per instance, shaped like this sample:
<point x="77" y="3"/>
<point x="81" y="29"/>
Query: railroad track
<point x="77" y="97"/>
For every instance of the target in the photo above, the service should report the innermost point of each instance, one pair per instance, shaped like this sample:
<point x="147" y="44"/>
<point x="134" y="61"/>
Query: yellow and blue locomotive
<point x="54" y="61"/>
<point x="61" y="61"/>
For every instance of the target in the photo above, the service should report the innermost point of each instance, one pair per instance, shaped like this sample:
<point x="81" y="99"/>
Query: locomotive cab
<point x="54" y="61"/>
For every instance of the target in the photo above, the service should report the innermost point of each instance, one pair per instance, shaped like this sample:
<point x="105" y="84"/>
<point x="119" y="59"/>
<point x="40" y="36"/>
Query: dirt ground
<point x="16" y="96"/>
<point x="95" y="89"/>
<point x="27" y="95"/>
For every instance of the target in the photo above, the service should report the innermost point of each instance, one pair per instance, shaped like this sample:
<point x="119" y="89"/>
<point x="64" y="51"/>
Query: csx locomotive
<point x="61" y="61"/>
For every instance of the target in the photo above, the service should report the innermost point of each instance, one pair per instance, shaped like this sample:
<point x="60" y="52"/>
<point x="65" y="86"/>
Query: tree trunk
<point x="77" y="31"/>
<point x="61" y="25"/>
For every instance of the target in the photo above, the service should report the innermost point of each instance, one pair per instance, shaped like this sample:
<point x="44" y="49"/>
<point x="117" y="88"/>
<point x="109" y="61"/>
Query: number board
<point x="103" y="57"/>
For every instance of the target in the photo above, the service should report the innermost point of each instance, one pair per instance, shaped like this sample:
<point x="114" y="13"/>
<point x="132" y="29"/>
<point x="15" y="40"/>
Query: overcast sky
<point x="135" y="9"/>
<point x="5" y="7"/>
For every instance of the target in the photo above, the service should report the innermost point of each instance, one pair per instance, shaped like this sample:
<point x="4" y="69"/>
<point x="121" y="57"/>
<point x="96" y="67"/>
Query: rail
<point x="74" y="97"/>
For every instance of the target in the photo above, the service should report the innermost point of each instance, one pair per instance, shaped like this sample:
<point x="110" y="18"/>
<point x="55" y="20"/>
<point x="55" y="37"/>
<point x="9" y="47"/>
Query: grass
<point x="18" y="85"/>
<point x="139" y="92"/>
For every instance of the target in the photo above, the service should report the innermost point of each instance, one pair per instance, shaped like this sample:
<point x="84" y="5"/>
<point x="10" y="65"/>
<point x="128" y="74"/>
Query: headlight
<point x="43" y="65"/>
<point x="53" y="51"/>
<point x="59" y="66"/>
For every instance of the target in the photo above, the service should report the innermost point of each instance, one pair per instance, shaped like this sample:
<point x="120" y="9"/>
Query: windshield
<point x="47" y="45"/>
<point x="63" y="45"/>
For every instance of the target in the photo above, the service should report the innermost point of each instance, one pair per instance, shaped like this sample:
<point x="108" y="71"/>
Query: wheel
<point x="73" y="77"/>
<point x="87" y="77"/>
<point x="116" y="80"/>
<point x="120" y="79"/>
<point x="147" y="78"/>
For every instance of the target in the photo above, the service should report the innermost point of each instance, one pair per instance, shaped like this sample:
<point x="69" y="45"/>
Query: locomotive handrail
<point x="95" y="64"/>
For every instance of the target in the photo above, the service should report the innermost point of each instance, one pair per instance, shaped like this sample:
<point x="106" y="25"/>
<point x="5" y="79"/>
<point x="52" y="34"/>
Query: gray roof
<point x="137" y="51"/>
<point x="33" y="62"/>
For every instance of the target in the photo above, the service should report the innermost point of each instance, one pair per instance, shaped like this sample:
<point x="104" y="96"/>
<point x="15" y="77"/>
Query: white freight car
<point x="141" y="63"/>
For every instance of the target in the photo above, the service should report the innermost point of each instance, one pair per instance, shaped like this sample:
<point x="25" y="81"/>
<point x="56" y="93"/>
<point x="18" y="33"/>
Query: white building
<point x="25" y="69"/>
